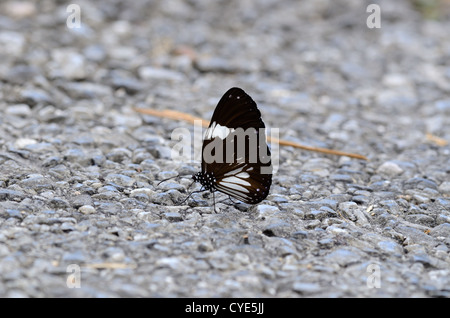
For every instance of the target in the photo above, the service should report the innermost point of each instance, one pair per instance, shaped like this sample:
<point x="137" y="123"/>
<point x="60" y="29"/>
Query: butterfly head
<point x="207" y="180"/>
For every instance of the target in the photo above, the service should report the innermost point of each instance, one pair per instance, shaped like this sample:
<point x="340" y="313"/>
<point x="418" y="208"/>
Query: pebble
<point x="266" y="211"/>
<point x="306" y="288"/>
<point x="390" y="168"/>
<point x="422" y="219"/>
<point x="173" y="216"/>
<point x="443" y="106"/>
<point x="120" y="179"/>
<point x="392" y="248"/>
<point x="442" y="230"/>
<point x="7" y="194"/>
<point x="152" y="73"/>
<point x="21" y="110"/>
<point x="85" y="90"/>
<point x="77" y="155"/>
<point x="214" y="64"/>
<point x="444" y="188"/>
<point x="86" y="209"/>
<point x="420" y="183"/>
<point x="12" y="42"/>
<point x="343" y="257"/>
<point x="37" y="182"/>
<point x="34" y="96"/>
<point x="67" y="63"/>
<point x="119" y="154"/>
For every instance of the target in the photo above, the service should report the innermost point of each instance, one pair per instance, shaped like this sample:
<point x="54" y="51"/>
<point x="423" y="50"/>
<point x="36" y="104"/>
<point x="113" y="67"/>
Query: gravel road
<point x="81" y="212"/>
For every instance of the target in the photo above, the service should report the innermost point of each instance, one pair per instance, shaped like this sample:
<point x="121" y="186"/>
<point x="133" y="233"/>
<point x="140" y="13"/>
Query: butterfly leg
<point x="214" y="201"/>
<point x="232" y="201"/>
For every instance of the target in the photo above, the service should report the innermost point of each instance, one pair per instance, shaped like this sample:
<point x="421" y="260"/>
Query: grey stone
<point x="120" y="180"/>
<point x="441" y="230"/>
<point x="445" y="187"/>
<point x="6" y="194"/>
<point x="420" y="183"/>
<point x="316" y="214"/>
<point x="85" y="90"/>
<point x="173" y="216"/>
<point x="266" y="211"/>
<point x="341" y="178"/>
<point x="443" y="105"/>
<point x="391" y="248"/>
<point x="214" y="64"/>
<point x="343" y="257"/>
<point x="77" y="155"/>
<point x="86" y="209"/>
<point x="22" y="110"/>
<point x="81" y="200"/>
<point x="422" y="219"/>
<point x="37" y="182"/>
<point x="279" y="229"/>
<point x="68" y="63"/>
<point x="390" y="168"/>
<point x="306" y="288"/>
<point x="332" y="204"/>
<point x="152" y="73"/>
<point x="119" y="154"/>
<point x="35" y="96"/>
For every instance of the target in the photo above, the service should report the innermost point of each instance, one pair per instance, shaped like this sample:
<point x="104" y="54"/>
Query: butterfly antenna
<point x="167" y="179"/>
<point x="191" y="192"/>
<point x="198" y="191"/>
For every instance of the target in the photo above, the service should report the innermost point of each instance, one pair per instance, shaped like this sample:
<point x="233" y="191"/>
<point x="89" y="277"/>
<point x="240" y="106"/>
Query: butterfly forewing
<point x="237" y="109"/>
<point x="235" y="156"/>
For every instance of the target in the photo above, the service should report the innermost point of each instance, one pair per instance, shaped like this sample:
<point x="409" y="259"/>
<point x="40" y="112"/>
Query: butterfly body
<point x="235" y="157"/>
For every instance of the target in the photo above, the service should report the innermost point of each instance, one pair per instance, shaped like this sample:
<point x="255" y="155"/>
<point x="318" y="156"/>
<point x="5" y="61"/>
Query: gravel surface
<point x="81" y="213"/>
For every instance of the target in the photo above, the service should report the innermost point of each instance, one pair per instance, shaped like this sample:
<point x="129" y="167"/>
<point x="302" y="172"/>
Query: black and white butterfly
<point x="235" y="157"/>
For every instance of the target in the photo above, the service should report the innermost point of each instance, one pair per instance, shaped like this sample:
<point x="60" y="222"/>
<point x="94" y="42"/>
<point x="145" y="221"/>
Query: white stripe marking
<point x="233" y="193"/>
<point x="236" y="171"/>
<point x="243" y="175"/>
<point x="236" y="180"/>
<point x="234" y="186"/>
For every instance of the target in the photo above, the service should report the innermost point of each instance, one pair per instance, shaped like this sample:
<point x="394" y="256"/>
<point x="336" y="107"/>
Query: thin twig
<point x="173" y="114"/>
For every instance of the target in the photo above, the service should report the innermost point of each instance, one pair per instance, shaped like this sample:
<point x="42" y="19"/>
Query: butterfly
<point x="235" y="157"/>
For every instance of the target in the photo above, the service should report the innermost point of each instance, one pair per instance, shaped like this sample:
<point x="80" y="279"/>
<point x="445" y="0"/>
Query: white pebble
<point x="87" y="209"/>
<point x="390" y="168"/>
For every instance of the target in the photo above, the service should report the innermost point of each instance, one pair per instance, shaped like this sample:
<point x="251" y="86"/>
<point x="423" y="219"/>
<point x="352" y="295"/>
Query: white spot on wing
<point x="216" y="130"/>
